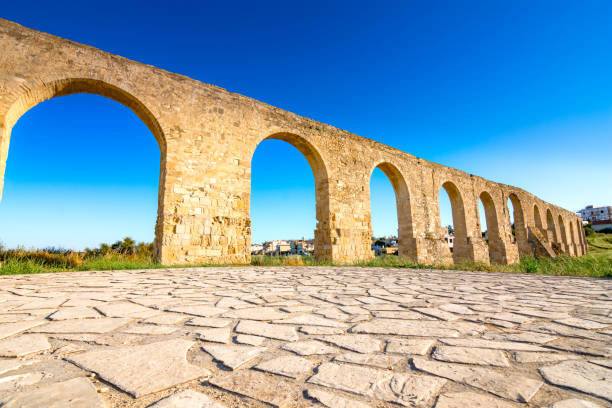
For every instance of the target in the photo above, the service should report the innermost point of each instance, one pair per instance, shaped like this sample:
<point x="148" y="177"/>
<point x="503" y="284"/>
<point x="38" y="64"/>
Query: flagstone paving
<point x="304" y="337"/>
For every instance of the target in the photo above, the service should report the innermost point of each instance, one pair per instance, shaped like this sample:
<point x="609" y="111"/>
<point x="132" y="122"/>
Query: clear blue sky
<point x="519" y="92"/>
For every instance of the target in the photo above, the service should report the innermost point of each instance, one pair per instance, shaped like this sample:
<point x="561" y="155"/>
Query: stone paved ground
<point x="301" y="337"/>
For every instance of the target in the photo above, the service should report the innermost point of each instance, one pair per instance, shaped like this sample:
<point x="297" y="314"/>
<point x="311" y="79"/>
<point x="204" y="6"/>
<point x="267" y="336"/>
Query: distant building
<point x="599" y="217"/>
<point x="301" y="247"/>
<point x="448" y="237"/>
<point x="257" y="249"/>
<point x="386" y="246"/>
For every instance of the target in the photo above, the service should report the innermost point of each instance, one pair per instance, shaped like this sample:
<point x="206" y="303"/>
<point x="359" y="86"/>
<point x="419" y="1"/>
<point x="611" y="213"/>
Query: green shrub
<point x="16" y="266"/>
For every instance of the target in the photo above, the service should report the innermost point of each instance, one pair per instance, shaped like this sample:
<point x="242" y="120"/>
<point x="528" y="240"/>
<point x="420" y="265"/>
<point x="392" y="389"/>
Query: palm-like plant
<point x="127" y="245"/>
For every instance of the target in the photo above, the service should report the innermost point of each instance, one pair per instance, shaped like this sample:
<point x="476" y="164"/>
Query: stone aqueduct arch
<point x="207" y="137"/>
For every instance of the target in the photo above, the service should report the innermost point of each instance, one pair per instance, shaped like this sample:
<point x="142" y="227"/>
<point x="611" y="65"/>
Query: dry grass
<point x="596" y="263"/>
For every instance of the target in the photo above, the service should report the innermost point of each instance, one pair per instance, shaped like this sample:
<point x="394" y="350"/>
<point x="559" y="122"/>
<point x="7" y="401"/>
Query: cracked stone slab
<point x="23" y="345"/>
<point x="75" y="337"/>
<point x="581" y="323"/>
<point x="409" y="346"/>
<point x="16" y="381"/>
<point x="258" y="386"/>
<point x="525" y="337"/>
<point x="376" y="360"/>
<point x="166" y="318"/>
<point x="150" y="329"/>
<point x="515" y="387"/>
<point x="334" y="401"/>
<point x="317" y="330"/>
<point x="581" y="376"/>
<point x="355" y="342"/>
<point x="437" y="313"/>
<point x="269" y="330"/>
<point x="220" y="335"/>
<point x="75" y="393"/>
<point x="297" y="308"/>
<point x="78" y="312"/>
<point x="288" y="366"/>
<point x="102" y="325"/>
<point x="405" y="328"/>
<point x="233" y="356"/>
<point x="10" y="365"/>
<point x="249" y="340"/>
<point x="69" y="349"/>
<point x="562" y="330"/>
<point x="468" y="355"/>
<point x="187" y="399"/>
<point x="50" y="303"/>
<point x="575" y="403"/>
<point x="197" y="310"/>
<point x="401" y="315"/>
<point x="309" y="348"/>
<point x="510" y="317"/>
<point x="311" y="320"/>
<point x="456" y="308"/>
<point x="401" y="388"/>
<point x="16" y="317"/>
<point x="543" y="314"/>
<point x="493" y="344"/>
<point x="604" y="362"/>
<point x="256" y="313"/>
<point x="535" y="357"/>
<point x="471" y="400"/>
<point x="164" y="363"/>
<point x="216" y="322"/>
<point x="125" y="309"/>
<point x="9" y="329"/>
<point x="582" y="346"/>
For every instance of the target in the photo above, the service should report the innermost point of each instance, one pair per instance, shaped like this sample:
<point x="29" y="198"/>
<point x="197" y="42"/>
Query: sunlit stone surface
<point x="339" y="337"/>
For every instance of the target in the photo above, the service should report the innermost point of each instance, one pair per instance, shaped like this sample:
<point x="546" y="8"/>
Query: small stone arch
<point x="319" y="169"/>
<point x="580" y="229"/>
<point x="563" y="233"/>
<point x="496" y="254"/>
<point x="407" y="245"/>
<point x="520" y="226"/>
<point x="537" y="219"/>
<point x="461" y="249"/>
<point x="70" y="86"/>
<point x="573" y="241"/>
<point x="550" y="223"/>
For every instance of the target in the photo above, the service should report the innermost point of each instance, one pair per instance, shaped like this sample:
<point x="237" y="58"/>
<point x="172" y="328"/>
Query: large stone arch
<point x="406" y="234"/>
<point x="520" y="226"/>
<point x="323" y="240"/>
<point x="462" y="250"/>
<point x="32" y="96"/>
<point x="496" y="247"/>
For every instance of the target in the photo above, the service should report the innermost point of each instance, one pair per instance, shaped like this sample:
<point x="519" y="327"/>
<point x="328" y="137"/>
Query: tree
<point x="104" y="249"/>
<point x="450" y="229"/>
<point x="127" y="245"/>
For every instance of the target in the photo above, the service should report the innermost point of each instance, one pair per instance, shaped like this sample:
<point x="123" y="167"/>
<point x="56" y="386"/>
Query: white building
<point x="591" y="213"/>
<point x="599" y="217"/>
<point x="450" y="239"/>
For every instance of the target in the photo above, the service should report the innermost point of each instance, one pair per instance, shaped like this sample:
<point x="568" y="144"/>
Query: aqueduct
<point x="207" y="137"/>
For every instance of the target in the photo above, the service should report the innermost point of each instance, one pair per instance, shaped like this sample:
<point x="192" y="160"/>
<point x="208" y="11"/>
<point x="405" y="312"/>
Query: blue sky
<point x="518" y="92"/>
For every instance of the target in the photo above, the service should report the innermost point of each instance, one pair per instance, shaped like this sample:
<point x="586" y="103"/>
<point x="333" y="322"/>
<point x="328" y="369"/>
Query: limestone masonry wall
<point x="207" y="137"/>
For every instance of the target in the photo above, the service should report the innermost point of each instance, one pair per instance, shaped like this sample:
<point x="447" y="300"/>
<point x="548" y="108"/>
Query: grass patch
<point x="596" y="263"/>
